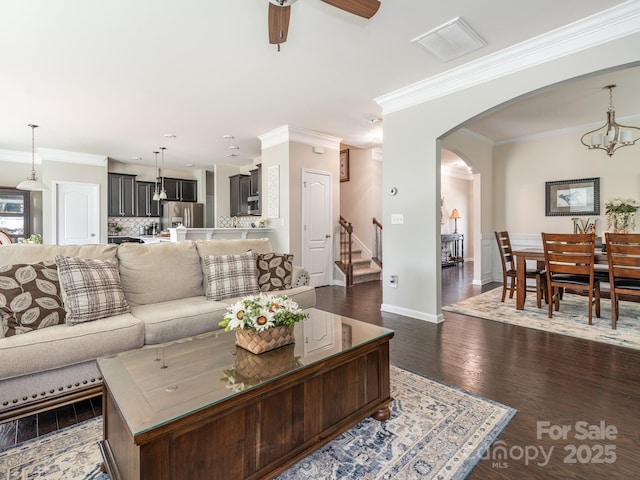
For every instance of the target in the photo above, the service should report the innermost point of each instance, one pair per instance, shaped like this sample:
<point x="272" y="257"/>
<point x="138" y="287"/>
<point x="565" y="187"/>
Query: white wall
<point x="412" y="145"/>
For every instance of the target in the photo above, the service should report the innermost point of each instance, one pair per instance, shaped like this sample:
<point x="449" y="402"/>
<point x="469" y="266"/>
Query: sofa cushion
<point x="90" y="289"/>
<point x="175" y="319"/>
<point x="156" y="272"/>
<point x="60" y="345"/>
<point x="33" y="253"/>
<point x="231" y="275"/>
<point x="207" y="248"/>
<point x="274" y="271"/>
<point x="29" y="297"/>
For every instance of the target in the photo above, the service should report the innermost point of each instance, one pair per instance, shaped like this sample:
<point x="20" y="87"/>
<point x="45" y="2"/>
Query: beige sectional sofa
<point x="165" y="285"/>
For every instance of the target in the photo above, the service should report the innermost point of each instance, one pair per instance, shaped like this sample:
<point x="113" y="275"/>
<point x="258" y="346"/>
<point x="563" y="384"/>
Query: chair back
<point x="623" y="254"/>
<point x="569" y="253"/>
<point x="506" y="252"/>
<point x="5" y="238"/>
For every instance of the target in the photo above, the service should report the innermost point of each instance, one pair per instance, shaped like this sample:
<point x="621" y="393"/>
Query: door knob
<point x="327" y="236"/>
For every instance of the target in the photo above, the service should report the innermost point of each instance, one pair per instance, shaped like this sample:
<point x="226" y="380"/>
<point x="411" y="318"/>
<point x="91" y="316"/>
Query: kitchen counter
<point x="179" y="234"/>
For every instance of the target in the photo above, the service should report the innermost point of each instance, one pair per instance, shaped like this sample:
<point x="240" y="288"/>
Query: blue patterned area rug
<point x="570" y="320"/>
<point x="435" y="432"/>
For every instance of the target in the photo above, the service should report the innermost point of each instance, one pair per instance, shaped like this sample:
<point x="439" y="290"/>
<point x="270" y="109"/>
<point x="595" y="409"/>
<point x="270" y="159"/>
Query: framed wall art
<point x="572" y="197"/>
<point x="344" y="165"/>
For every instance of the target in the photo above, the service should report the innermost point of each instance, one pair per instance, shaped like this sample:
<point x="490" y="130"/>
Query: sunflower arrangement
<point x="262" y="312"/>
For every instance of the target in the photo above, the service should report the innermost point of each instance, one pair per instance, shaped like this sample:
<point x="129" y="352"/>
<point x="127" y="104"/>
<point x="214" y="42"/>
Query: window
<point x="14" y="212"/>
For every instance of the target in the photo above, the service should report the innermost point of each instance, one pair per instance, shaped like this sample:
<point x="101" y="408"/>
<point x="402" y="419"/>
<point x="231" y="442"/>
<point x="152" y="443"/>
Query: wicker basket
<point x="252" y="368"/>
<point x="260" y="342"/>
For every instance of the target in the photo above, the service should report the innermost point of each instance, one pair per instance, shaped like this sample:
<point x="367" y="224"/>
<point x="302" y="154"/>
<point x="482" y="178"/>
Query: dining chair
<point x="5" y="238"/>
<point x="623" y="255"/>
<point x="569" y="260"/>
<point x="509" y="271"/>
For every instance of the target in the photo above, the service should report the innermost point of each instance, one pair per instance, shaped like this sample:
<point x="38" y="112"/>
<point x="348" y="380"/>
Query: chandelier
<point x="611" y="136"/>
<point x="32" y="183"/>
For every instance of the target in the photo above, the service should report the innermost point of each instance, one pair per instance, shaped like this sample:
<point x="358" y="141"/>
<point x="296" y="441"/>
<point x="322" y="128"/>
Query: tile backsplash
<point x="130" y="225"/>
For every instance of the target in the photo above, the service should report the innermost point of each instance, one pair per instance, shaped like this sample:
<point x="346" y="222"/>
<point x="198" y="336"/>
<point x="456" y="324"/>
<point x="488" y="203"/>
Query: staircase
<point x="364" y="270"/>
<point x="357" y="268"/>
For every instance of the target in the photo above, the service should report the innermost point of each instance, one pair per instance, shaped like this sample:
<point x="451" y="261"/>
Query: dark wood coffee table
<point x="203" y="408"/>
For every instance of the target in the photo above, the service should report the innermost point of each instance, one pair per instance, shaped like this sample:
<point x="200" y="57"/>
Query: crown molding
<point x="597" y="29"/>
<point x="52" y="155"/>
<point x="16" y="156"/>
<point x="286" y="134"/>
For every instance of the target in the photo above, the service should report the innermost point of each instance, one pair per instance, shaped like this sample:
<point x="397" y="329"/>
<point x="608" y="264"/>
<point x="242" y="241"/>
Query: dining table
<point x="537" y="255"/>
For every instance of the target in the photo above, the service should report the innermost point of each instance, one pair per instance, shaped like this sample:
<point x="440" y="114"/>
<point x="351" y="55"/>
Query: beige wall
<point x="278" y="155"/>
<point x="360" y="197"/>
<point x="521" y="170"/>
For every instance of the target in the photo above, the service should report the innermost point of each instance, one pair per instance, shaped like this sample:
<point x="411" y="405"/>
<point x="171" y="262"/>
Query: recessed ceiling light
<point x="189" y="164"/>
<point x="228" y="137"/>
<point x="234" y="147"/>
<point x="136" y="158"/>
<point x="169" y="135"/>
<point x="232" y="155"/>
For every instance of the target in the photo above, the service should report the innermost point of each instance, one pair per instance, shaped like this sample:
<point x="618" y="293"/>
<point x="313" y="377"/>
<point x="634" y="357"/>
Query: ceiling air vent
<point x="450" y="40"/>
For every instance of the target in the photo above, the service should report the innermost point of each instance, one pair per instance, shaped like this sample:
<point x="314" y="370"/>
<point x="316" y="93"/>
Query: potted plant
<point x="263" y="322"/>
<point x="621" y="214"/>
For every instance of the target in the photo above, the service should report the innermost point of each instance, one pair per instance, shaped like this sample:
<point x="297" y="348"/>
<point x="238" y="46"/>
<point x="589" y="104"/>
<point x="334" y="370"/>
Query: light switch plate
<point x="397" y="219"/>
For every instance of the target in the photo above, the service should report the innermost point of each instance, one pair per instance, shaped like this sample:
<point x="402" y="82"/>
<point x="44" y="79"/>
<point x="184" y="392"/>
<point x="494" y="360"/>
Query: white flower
<point x="236" y="316"/>
<point x="263" y="320"/>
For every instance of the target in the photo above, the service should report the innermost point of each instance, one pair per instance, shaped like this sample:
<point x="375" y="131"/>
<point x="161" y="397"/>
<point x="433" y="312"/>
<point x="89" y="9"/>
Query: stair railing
<point x="377" y="242"/>
<point x="346" y="246"/>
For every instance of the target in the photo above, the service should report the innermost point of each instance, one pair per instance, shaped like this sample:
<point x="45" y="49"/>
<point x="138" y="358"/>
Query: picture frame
<point x="344" y="165"/>
<point x="572" y="197"/>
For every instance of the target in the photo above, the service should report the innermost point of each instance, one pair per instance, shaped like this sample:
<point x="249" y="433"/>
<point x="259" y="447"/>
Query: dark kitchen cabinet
<point x="179" y="190"/>
<point x="122" y="195"/>
<point x="146" y="206"/>
<point x="254" y="194"/>
<point x="239" y="188"/>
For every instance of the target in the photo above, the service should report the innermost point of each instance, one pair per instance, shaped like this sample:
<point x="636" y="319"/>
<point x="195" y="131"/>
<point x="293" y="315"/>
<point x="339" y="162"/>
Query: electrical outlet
<point x="393" y="281"/>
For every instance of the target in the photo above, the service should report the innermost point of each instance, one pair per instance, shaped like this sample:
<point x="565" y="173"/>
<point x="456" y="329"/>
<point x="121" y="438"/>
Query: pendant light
<point x="156" y="194"/>
<point x="163" y="192"/>
<point x="32" y="183"/>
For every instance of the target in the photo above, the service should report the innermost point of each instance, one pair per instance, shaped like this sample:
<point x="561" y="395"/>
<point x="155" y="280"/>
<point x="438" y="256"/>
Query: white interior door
<point x="78" y="213"/>
<point x="317" y="221"/>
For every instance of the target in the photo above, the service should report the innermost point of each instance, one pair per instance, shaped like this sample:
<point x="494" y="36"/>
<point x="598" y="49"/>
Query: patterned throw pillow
<point x="231" y="276"/>
<point x="274" y="271"/>
<point x="29" y="297"/>
<point x="90" y="289"/>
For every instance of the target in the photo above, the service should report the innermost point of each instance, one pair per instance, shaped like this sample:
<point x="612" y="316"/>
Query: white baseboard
<point x="385" y="307"/>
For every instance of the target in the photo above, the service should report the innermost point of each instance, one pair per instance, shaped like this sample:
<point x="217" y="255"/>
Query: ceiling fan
<point x="280" y="10"/>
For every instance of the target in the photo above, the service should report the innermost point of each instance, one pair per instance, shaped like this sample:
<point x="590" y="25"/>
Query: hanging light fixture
<point x="611" y="136"/>
<point x="163" y="192"/>
<point x="32" y="183"/>
<point x="156" y="194"/>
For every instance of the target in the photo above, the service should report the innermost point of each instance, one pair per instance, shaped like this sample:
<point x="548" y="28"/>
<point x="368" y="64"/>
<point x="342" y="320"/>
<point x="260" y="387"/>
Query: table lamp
<point x="455" y="215"/>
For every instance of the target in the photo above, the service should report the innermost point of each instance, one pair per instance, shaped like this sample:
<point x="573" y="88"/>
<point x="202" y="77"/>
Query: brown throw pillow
<point x="29" y="297"/>
<point x="231" y="276"/>
<point x="274" y="271"/>
<point x="90" y="289"/>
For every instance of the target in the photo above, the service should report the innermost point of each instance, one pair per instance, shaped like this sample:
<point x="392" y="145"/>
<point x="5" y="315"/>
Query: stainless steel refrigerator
<point x="189" y="214"/>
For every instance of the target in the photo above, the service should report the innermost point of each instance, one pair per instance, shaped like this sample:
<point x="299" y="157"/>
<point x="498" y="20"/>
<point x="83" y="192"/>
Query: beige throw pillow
<point x="231" y="276"/>
<point x="90" y="289"/>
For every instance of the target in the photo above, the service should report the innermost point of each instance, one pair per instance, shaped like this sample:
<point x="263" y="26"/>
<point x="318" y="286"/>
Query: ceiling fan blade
<point x="362" y="8"/>
<point x="278" y="23"/>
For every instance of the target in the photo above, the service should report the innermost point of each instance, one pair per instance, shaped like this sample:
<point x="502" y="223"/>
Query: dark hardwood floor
<point x="550" y="378"/>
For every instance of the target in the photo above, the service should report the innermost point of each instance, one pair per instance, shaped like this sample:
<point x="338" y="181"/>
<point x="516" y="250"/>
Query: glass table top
<point x="155" y="385"/>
